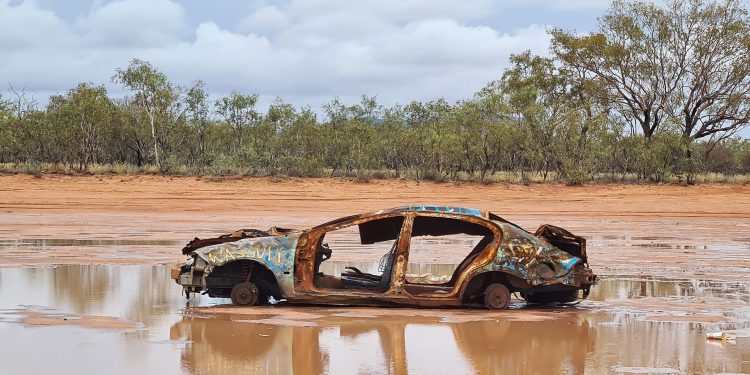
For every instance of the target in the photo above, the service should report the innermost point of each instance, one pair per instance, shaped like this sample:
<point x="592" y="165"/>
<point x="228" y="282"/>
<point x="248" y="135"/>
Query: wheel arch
<point x="472" y="290"/>
<point x="231" y="273"/>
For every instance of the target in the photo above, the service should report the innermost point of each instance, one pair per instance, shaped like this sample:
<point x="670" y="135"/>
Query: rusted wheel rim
<point x="245" y="294"/>
<point x="496" y="296"/>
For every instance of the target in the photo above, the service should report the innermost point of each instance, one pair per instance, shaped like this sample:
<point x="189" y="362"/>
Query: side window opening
<point x="440" y="248"/>
<point x="358" y="256"/>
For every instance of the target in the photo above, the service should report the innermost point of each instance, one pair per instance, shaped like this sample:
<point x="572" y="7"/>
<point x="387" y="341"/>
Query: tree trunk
<point x="156" y="143"/>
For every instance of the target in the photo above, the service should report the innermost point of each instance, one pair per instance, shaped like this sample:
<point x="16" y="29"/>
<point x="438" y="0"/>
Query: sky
<point x="305" y="51"/>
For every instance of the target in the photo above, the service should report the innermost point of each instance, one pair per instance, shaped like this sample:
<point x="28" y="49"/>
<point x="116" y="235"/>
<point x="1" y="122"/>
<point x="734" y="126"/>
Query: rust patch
<point x="549" y="267"/>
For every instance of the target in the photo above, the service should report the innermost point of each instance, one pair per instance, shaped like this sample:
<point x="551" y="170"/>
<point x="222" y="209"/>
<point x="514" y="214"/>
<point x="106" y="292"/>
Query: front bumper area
<point x="175" y="271"/>
<point x="187" y="276"/>
<point x="584" y="278"/>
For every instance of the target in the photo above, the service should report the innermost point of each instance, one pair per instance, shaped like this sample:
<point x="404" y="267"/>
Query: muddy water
<point x="675" y="261"/>
<point x="600" y="336"/>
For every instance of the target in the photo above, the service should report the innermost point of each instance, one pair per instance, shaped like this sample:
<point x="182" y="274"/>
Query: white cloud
<point x="134" y="23"/>
<point x="25" y="26"/>
<point x="337" y="26"/>
<point x="266" y="20"/>
<point x="304" y="53"/>
<point x="394" y="10"/>
<point x="561" y="4"/>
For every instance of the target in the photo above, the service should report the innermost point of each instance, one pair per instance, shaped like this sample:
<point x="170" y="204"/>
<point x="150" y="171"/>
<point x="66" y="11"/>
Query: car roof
<point x="417" y="208"/>
<point x="441" y="209"/>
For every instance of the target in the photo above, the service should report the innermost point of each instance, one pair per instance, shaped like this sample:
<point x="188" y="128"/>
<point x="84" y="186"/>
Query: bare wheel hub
<point x="496" y="296"/>
<point x="245" y="294"/>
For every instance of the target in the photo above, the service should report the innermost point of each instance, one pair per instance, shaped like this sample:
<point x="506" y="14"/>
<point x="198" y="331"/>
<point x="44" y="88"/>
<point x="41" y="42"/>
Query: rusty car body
<point x="253" y="266"/>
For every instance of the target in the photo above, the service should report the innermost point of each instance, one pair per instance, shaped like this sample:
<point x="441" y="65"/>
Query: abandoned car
<point x="486" y="259"/>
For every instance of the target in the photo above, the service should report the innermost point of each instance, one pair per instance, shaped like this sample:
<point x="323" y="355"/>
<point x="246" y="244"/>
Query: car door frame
<point x="304" y="265"/>
<point x="477" y="265"/>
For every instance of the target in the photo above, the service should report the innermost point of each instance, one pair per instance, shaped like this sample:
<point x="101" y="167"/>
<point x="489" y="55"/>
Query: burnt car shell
<point x="251" y="266"/>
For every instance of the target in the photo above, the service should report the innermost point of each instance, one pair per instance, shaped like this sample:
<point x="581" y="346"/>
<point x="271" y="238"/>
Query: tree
<point x="714" y="95"/>
<point x="84" y="114"/>
<point x="477" y="138"/>
<point x="301" y="148"/>
<point x="238" y="111"/>
<point x="152" y="92"/>
<point x="197" y="110"/>
<point x="281" y="118"/>
<point x="351" y="133"/>
<point x="5" y="135"/>
<point x="29" y="133"/>
<point x="632" y="55"/>
<point x="532" y="94"/>
<point x="688" y="61"/>
<point x="424" y="125"/>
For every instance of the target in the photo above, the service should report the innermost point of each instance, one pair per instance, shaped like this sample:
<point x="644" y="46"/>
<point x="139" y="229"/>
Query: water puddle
<point x="599" y="336"/>
<point x="65" y="242"/>
<point x="669" y="242"/>
<point x="628" y="287"/>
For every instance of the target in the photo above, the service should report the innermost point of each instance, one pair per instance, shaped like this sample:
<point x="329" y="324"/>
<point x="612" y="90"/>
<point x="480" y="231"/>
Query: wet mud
<point x="84" y="282"/>
<point x="41" y="316"/>
<point x="614" y="332"/>
<point x="673" y="231"/>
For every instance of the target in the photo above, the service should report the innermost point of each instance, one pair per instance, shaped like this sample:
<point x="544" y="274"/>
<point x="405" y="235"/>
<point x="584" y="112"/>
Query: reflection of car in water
<point x="251" y="266"/>
<point x="385" y="344"/>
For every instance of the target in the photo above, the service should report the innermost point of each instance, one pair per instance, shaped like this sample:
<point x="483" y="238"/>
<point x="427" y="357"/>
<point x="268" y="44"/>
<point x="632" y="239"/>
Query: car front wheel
<point x="496" y="296"/>
<point x="245" y="294"/>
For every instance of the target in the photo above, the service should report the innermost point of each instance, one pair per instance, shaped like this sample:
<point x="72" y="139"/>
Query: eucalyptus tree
<point x="238" y="111"/>
<point x="531" y="94"/>
<point x="279" y="119"/>
<point x="476" y="140"/>
<point x="351" y="132"/>
<point x="29" y="133"/>
<point x="5" y="135"/>
<point x="687" y="62"/>
<point x="713" y="98"/>
<point x="152" y="92"/>
<point x="198" y="111"/>
<point x="426" y="124"/>
<point x="301" y="148"/>
<point x="629" y="55"/>
<point x="83" y="118"/>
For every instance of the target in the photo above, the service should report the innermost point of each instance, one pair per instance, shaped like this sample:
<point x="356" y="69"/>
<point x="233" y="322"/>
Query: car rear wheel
<point x="496" y="296"/>
<point x="245" y="294"/>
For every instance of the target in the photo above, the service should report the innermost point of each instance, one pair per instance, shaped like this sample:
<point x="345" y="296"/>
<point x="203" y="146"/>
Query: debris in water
<point x="719" y="336"/>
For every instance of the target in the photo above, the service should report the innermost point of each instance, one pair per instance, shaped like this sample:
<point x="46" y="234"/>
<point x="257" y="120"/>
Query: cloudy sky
<point x="306" y="51"/>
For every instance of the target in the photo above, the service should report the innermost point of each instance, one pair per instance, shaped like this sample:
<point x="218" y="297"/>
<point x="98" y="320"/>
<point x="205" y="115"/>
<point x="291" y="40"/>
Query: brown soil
<point x="155" y="194"/>
<point x="676" y="231"/>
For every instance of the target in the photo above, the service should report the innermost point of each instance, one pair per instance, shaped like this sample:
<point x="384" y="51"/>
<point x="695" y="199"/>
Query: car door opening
<point x="441" y="248"/>
<point x="362" y="256"/>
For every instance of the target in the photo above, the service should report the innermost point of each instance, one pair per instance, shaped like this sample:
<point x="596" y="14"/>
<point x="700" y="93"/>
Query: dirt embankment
<point x="677" y="231"/>
<point x="293" y="197"/>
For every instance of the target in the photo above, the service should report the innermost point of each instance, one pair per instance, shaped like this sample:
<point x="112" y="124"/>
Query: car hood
<point x="198" y="243"/>
<point x="275" y="252"/>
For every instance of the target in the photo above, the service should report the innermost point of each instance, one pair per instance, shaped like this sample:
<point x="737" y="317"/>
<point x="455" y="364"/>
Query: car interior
<point x="373" y="236"/>
<point x="387" y="231"/>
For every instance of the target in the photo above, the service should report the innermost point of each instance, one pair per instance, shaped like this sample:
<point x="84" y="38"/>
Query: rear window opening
<point x="441" y="248"/>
